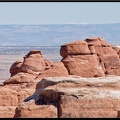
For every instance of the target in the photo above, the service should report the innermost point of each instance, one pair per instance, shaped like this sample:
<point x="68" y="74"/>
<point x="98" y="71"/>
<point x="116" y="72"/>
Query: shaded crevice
<point x="44" y="100"/>
<point x="59" y="111"/>
<point x="53" y="99"/>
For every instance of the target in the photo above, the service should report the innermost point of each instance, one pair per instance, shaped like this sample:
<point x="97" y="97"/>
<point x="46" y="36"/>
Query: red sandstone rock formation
<point x="35" y="67"/>
<point x="92" y="57"/>
<point x="60" y="96"/>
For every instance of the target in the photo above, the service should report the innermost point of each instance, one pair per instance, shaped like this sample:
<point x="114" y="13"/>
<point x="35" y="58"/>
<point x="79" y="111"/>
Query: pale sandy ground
<point x="7" y="60"/>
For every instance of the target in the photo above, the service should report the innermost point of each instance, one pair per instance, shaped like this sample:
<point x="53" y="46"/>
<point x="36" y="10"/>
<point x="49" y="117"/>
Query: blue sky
<point x="59" y="12"/>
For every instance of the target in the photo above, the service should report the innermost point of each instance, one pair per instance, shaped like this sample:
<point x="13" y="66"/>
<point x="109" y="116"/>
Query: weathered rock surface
<point x="57" y="69"/>
<point x="83" y="65"/>
<point x="78" y="58"/>
<point x="79" y="47"/>
<point x="20" y="77"/>
<point x="31" y="110"/>
<point x="11" y="96"/>
<point x="108" y="56"/>
<point x="7" y="111"/>
<point x="117" y="49"/>
<point x="75" y="97"/>
<point x="48" y="64"/>
<point x="14" y="69"/>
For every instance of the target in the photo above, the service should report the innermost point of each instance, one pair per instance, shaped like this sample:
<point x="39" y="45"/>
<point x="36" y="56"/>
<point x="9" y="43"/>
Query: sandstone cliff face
<point x="85" y="81"/>
<point x="73" y="97"/>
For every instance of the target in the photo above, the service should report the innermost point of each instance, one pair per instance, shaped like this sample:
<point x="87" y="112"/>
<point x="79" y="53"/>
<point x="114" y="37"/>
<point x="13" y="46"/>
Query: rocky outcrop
<point x="73" y="97"/>
<point x="63" y="92"/>
<point x="34" y="67"/>
<point x="92" y="57"/>
<point x="23" y="83"/>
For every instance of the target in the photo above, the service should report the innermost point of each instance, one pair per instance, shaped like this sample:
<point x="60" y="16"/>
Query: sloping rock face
<point x="92" y="57"/>
<point x="73" y="97"/>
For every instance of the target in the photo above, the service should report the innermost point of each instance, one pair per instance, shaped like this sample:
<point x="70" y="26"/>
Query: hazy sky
<point x="59" y="12"/>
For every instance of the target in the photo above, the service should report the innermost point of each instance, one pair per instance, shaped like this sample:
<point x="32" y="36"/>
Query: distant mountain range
<point x="56" y="34"/>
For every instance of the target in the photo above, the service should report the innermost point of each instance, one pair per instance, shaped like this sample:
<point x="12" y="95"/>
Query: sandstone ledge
<point x="87" y="97"/>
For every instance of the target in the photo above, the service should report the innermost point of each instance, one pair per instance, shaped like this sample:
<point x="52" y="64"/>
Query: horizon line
<point x="63" y="24"/>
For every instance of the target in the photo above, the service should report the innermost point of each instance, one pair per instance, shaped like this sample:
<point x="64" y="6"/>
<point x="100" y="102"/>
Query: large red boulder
<point x="78" y="47"/>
